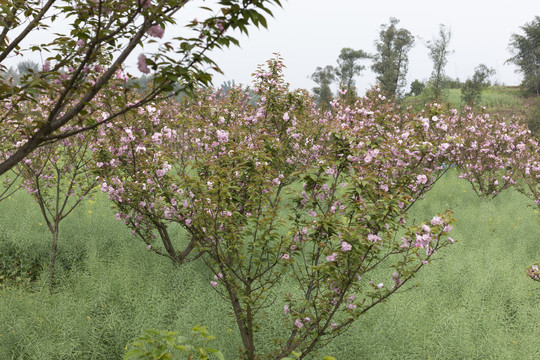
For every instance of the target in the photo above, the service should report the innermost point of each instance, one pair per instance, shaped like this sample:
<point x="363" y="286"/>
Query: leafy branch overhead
<point x="90" y="58"/>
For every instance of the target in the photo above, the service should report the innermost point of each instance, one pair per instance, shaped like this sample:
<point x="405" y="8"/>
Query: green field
<point x="474" y="302"/>
<point x="503" y="100"/>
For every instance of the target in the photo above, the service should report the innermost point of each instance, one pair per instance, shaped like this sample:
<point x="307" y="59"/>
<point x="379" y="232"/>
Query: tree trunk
<point x="53" y="257"/>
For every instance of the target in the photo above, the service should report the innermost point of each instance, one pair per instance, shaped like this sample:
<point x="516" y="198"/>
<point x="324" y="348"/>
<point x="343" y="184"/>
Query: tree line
<point x="390" y="64"/>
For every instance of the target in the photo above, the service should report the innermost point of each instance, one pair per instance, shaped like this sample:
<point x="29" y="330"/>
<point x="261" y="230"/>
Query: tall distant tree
<point x="526" y="51"/>
<point x="438" y="52"/>
<point x="391" y="60"/>
<point x="28" y="66"/>
<point x="323" y="77"/>
<point x="348" y="68"/>
<point x="471" y="91"/>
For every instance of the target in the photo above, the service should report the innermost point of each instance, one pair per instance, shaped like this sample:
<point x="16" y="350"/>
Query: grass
<point x="474" y="302"/>
<point x="503" y="100"/>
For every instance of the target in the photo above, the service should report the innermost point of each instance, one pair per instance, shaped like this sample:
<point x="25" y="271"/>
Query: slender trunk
<point x="244" y="322"/>
<point x="53" y="257"/>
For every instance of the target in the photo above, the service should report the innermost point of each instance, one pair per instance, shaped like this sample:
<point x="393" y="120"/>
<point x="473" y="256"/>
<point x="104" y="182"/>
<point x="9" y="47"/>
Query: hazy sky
<point x="311" y="33"/>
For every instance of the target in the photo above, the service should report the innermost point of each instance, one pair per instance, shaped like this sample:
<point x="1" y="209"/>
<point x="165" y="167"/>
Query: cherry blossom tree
<point x="80" y="63"/>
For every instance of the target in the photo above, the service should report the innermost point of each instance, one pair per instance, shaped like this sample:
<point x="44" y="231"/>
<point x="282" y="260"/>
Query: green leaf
<point x="133" y="353"/>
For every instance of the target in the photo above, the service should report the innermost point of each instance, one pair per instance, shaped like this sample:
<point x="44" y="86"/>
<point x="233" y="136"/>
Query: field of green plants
<point x="474" y="301"/>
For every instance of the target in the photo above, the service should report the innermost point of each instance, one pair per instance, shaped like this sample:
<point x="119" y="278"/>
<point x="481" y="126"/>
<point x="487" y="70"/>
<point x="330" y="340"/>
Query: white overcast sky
<point x="311" y="33"/>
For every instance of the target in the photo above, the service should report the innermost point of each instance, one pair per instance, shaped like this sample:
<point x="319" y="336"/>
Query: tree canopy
<point x="87" y="60"/>
<point x="391" y="59"/>
<point x="525" y="49"/>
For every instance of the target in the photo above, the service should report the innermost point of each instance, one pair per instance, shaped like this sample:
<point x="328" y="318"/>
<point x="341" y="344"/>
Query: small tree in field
<point x="278" y="192"/>
<point x="59" y="177"/>
<point x="471" y="90"/>
<point x="417" y="87"/>
<point x="80" y="63"/>
<point x="438" y="52"/>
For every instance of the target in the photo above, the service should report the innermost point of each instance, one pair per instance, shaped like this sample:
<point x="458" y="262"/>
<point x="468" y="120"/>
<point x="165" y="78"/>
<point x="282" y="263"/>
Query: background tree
<point x="438" y="52"/>
<point x="323" y="77"/>
<point x="391" y="60"/>
<point x="471" y="91"/>
<point x="526" y="51"/>
<point x="101" y="35"/>
<point x="417" y="87"/>
<point x="347" y="69"/>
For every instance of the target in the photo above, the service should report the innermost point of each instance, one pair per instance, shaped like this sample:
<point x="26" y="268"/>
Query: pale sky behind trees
<point x="311" y="33"/>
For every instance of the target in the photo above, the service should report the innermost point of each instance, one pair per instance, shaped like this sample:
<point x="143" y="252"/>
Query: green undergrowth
<point x="474" y="301"/>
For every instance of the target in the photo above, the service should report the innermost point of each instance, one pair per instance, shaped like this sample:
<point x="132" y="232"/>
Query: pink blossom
<point x="286" y="309"/>
<point x="351" y="306"/>
<point x="145" y="3"/>
<point x="345" y="246"/>
<point x="332" y="257"/>
<point x="285" y="257"/>
<point x="373" y="238"/>
<point x="222" y="136"/>
<point x="219" y="25"/>
<point x="188" y="222"/>
<point x="213" y="283"/>
<point x="47" y="66"/>
<point x="141" y="63"/>
<point x="298" y="323"/>
<point x="437" y="220"/>
<point x="156" y="31"/>
<point x="380" y="286"/>
<point x="421" y="179"/>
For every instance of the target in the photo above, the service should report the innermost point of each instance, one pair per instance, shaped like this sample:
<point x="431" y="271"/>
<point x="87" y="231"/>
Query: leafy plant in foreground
<point x="164" y="345"/>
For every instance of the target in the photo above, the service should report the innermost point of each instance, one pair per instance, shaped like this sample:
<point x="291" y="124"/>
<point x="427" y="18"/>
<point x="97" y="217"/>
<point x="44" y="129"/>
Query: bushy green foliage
<point x="474" y="302"/>
<point x="163" y="345"/>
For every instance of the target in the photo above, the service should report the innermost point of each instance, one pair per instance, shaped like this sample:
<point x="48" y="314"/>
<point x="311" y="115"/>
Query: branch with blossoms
<point x="80" y="65"/>
<point x="346" y="220"/>
<point x="490" y="151"/>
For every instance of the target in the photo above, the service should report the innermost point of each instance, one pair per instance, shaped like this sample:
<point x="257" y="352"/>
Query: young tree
<point x="279" y="192"/>
<point x="471" y="90"/>
<point x="323" y="77"/>
<point x="391" y="59"/>
<point x="526" y="55"/>
<point x="438" y="52"/>
<point x="101" y="35"/>
<point x="59" y="177"/>
<point x="347" y="69"/>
